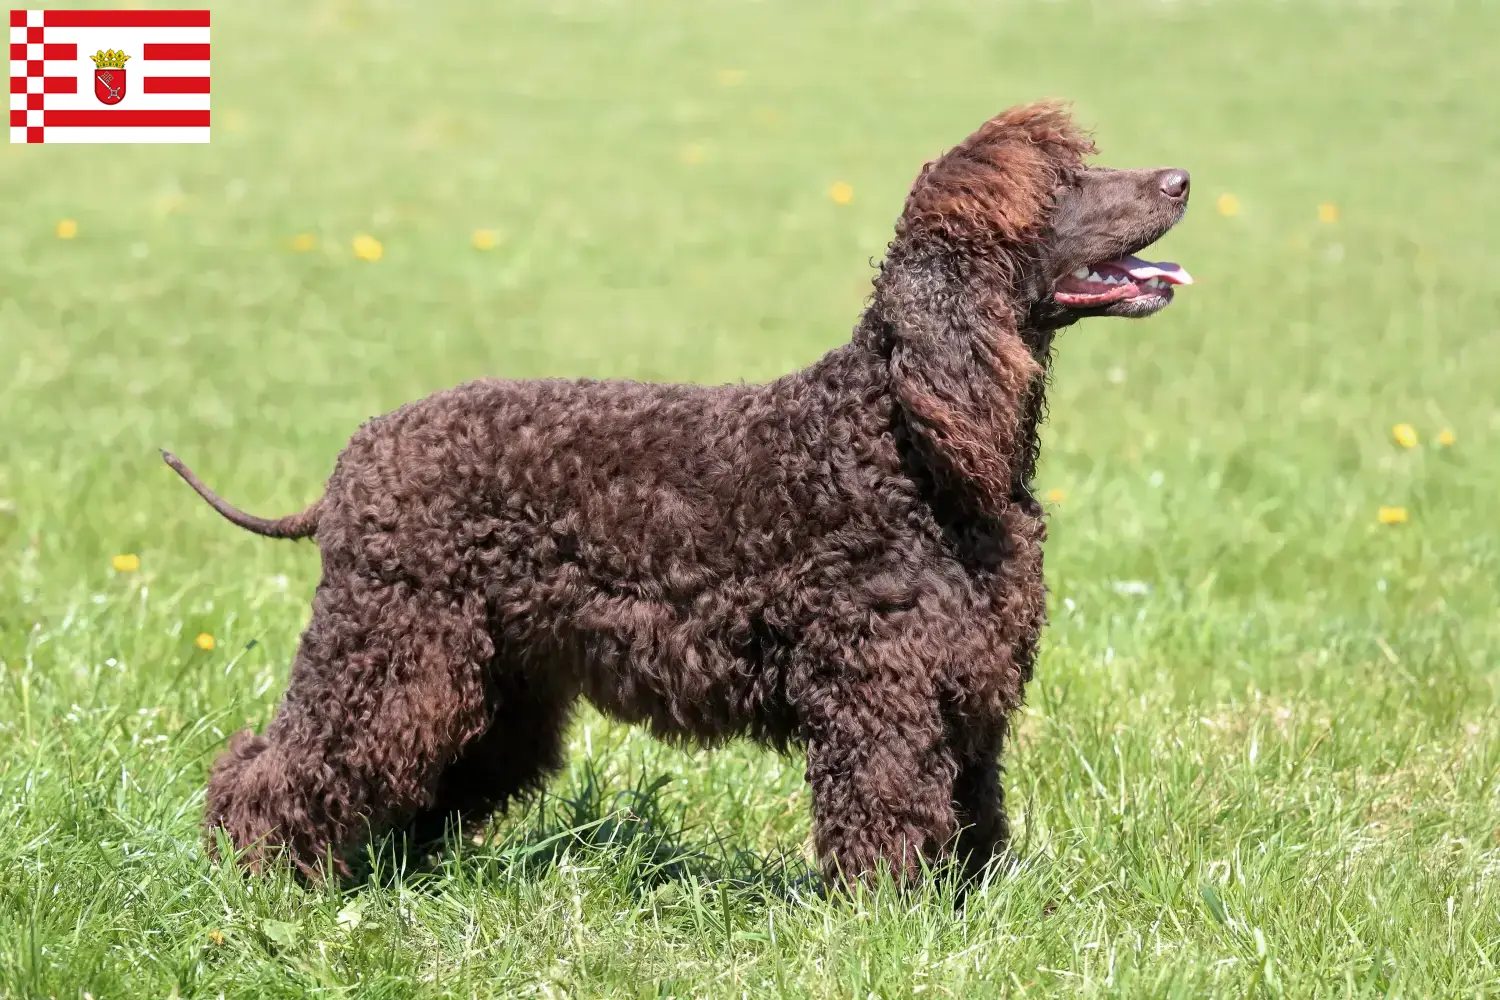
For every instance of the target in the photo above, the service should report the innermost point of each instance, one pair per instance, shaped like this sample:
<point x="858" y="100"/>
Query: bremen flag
<point x="109" y="76"/>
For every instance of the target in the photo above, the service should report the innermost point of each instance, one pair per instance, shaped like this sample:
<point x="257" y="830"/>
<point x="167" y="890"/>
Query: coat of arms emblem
<point x="109" y="75"/>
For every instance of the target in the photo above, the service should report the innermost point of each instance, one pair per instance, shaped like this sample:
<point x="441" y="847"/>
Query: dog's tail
<point x="300" y="525"/>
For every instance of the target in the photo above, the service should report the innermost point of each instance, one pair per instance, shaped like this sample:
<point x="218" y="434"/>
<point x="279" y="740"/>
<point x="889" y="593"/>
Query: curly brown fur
<point x="846" y="560"/>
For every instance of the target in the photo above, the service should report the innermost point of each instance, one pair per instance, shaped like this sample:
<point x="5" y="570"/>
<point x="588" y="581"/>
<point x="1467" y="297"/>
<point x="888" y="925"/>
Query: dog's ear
<point x="964" y="378"/>
<point x="968" y="382"/>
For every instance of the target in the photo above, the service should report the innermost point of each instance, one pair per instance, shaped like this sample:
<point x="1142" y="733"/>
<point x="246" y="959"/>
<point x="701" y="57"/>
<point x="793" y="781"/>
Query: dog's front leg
<point x="881" y="775"/>
<point x="979" y="801"/>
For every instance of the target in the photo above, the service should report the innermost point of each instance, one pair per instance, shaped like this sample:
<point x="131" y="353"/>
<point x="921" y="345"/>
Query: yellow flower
<point x="303" y="242"/>
<point x="841" y="193"/>
<point x="1228" y="204"/>
<point x="1446" y="438"/>
<point x="127" y="563"/>
<point x="484" y="239"/>
<point x="1057" y="495"/>
<point x="1405" y="435"/>
<point x="1392" y="515"/>
<point x="67" y="229"/>
<point x="215" y="937"/>
<point x="367" y="247"/>
<point x="1328" y="213"/>
<point x="693" y="153"/>
<point x="204" y="641"/>
<point x="730" y="77"/>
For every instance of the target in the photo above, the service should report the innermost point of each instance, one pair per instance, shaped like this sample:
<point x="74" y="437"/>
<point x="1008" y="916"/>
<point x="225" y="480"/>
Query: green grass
<point x="1262" y="753"/>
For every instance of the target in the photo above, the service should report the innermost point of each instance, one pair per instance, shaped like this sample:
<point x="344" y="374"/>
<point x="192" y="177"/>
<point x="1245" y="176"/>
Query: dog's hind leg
<point x="386" y="690"/>
<point x="522" y="747"/>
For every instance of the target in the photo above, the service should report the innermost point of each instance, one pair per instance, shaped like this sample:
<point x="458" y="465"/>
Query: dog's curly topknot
<point x="847" y="560"/>
<point x="998" y="182"/>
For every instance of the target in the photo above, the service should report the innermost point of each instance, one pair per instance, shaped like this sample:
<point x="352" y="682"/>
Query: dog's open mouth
<point x="1116" y="281"/>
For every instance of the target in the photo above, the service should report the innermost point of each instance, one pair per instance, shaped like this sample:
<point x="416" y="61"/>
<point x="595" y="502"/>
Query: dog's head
<point x="1005" y="238"/>
<point x="1064" y="236"/>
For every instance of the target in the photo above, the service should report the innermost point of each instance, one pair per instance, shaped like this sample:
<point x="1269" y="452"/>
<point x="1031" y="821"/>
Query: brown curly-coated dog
<point x="846" y="560"/>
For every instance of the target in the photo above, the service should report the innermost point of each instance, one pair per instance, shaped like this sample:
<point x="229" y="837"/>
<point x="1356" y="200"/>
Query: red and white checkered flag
<point x="109" y="76"/>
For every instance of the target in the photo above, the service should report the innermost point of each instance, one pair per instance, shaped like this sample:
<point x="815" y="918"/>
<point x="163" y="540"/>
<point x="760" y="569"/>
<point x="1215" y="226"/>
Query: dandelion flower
<point x="1228" y="204"/>
<point x="841" y="192"/>
<point x="216" y="937"/>
<point x="1405" y="435"/>
<point x="367" y="247"/>
<point x="484" y="239"/>
<point x="303" y="242"/>
<point x="126" y="563"/>
<point x="692" y="154"/>
<point x="1328" y="213"/>
<point x="1445" y="438"/>
<point x="1057" y="495"/>
<point x="1392" y="515"/>
<point x="204" y="641"/>
<point x="730" y="77"/>
<point x="67" y="229"/>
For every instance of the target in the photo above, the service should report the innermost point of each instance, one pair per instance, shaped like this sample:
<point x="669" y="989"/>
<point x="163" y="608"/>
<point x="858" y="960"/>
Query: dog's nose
<point x="1174" y="184"/>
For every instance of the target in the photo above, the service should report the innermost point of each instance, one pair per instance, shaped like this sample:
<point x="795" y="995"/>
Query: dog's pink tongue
<point x="1146" y="270"/>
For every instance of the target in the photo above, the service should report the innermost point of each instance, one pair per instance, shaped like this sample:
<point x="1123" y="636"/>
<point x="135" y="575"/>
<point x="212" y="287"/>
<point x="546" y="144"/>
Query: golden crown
<point x="109" y="58"/>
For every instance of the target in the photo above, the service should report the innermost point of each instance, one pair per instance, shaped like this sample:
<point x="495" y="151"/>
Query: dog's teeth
<point x="1094" y="276"/>
<point x="1081" y="274"/>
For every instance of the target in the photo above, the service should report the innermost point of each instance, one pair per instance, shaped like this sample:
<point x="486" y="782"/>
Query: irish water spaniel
<point x="847" y="560"/>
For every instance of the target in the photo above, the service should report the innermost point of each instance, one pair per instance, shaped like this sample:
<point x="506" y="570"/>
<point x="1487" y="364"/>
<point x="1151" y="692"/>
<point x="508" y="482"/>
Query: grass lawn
<point x="1262" y="752"/>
